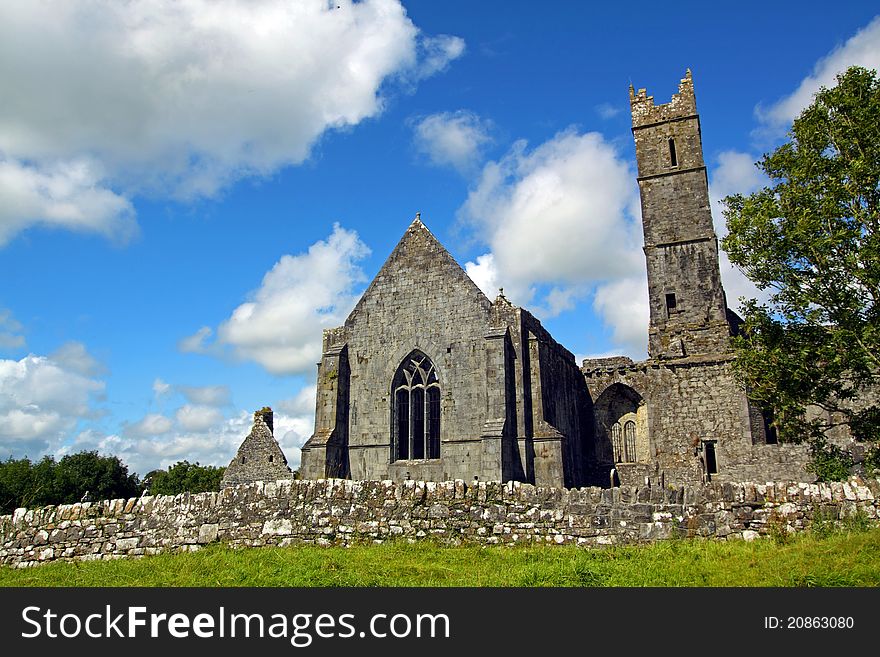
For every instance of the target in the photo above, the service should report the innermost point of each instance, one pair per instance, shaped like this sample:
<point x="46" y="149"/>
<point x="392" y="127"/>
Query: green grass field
<point x="841" y="558"/>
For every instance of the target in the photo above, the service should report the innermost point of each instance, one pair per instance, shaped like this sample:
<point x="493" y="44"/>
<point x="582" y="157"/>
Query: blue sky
<point x="190" y="192"/>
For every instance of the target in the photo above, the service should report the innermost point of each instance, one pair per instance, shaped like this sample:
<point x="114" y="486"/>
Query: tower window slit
<point x="711" y="459"/>
<point x="671" y="302"/>
<point x="673" y="157"/>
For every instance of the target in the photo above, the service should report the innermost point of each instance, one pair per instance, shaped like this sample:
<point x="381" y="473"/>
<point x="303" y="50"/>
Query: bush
<point x="183" y="477"/>
<point x="27" y="484"/>
<point x="829" y="462"/>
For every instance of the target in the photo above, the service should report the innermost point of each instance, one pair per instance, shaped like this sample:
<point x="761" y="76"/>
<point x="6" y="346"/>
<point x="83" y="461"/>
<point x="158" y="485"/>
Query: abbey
<point x="429" y="379"/>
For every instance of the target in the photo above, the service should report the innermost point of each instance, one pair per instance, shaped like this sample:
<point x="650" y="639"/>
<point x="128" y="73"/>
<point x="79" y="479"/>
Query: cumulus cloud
<point x="452" y="139"/>
<point x="161" y="388"/>
<point x="576" y="186"/>
<point x="197" y="343"/>
<point x="41" y="402"/>
<point x="114" y="100"/>
<point x="573" y="185"/>
<point x="152" y="424"/>
<point x="437" y="52"/>
<point x="301" y="404"/>
<point x="206" y="395"/>
<point x="197" y="418"/>
<point x="280" y="326"/>
<point x="199" y="435"/>
<point x="67" y="194"/>
<point x="734" y="173"/>
<point x="862" y="49"/>
<point x="74" y="356"/>
<point x="10" y="331"/>
<point x="607" y="110"/>
<point x="623" y="304"/>
<point x="484" y="273"/>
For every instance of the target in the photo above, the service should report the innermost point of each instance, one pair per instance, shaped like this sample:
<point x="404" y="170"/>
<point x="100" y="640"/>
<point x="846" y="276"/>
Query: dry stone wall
<point x="345" y="512"/>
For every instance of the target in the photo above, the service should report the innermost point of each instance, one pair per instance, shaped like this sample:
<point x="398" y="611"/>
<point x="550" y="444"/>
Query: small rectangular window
<point x="709" y="454"/>
<point x="770" y="435"/>
<point x="673" y="158"/>
<point x="671" y="302"/>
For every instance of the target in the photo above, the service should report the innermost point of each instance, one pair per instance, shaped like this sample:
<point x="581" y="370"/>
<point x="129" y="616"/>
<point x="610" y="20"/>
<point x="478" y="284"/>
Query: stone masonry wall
<point x="345" y="512"/>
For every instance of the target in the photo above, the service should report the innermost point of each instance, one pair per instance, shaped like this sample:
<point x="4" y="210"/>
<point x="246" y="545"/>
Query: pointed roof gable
<point x="259" y="457"/>
<point x="418" y="246"/>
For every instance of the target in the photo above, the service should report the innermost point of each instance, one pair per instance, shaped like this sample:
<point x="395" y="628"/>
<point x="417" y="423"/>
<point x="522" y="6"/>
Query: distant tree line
<point x="88" y="476"/>
<point x="184" y="477"/>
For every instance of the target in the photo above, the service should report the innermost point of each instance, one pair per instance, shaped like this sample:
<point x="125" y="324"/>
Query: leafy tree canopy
<point x="813" y="239"/>
<point x="27" y="484"/>
<point x="183" y="477"/>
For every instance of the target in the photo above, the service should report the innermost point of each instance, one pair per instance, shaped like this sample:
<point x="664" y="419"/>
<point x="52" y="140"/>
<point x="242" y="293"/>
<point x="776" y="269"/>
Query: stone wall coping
<point x="854" y="489"/>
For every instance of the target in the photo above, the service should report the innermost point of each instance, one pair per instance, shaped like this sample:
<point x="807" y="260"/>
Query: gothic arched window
<point x="415" y="426"/>
<point x="616" y="442"/>
<point x="629" y="437"/>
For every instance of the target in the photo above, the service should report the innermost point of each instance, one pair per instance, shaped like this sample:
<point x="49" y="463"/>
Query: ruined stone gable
<point x="259" y="457"/>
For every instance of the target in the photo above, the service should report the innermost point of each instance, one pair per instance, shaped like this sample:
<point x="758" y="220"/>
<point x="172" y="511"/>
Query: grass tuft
<point x="832" y="555"/>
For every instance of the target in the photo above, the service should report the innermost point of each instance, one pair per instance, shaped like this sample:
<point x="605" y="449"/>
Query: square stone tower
<point x="689" y="314"/>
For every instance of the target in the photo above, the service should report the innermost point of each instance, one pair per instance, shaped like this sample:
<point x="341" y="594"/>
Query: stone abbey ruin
<point x="443" y="414"/>
<point x="428" y="379"/>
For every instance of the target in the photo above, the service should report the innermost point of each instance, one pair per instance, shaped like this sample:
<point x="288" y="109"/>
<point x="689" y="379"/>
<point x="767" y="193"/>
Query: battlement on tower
<point x="682" y="105"/>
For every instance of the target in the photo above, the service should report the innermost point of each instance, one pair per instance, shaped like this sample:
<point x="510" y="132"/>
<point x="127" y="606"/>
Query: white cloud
<point x="280" y="326"/>
<point x="41" y="401"/>
<point x="116" y="99"/>
<point x="436" y="53"/>
<point x="152" y="424"/>
<point x="206" y="395"/>
<point x="485" y="274"/>
<point x="161" y="388"/>
<point x="197" y="343"/>
<point x="67" y="194"/>
<point x="10" y="330"/>
<point x="74" y="356"/>
<point x="452" y="139"/>
<point x="574" y="186"/>
<point x="195" y="439"/>
<point x="623" y="304"/>
<point x="607" y="110"/>
<point x="735" y="173"/>
<point x="560" y="215"/>
<point x="197" y="418"/>
<point x="862" y="49"/>
<point x="302" y="404"/>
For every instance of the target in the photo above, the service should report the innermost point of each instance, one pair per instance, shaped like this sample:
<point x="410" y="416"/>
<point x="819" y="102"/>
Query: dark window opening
<point x="770" y="435"/>
<point x="673" y="158"/>
<point x="271" y="458"/>
<point x="416" y="410"/>
<point x="629" y="445"/>
<point x="433" y="423"/>
<point x="709" y="455"/>
<point x="671" y="302"/>
<point x="242" y="459"/>
<point x="402" y="410"/>
<point x="417" y="401"/>
<point x="616" y="444"/>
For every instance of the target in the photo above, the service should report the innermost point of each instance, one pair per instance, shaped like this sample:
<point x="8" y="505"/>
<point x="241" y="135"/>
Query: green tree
<point x="26" y="484"/>
<point x="184" y="477"/>
<point x="102" y="477"/>
<point x="812" y="238"/>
